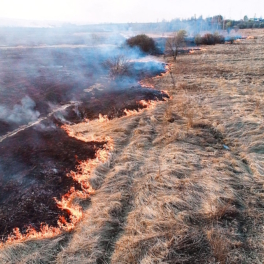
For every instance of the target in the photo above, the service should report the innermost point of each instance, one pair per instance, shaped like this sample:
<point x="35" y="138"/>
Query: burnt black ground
<point x="55" y="76"/>
<point x="112" y="102"/>
<point x="34" y="162"/>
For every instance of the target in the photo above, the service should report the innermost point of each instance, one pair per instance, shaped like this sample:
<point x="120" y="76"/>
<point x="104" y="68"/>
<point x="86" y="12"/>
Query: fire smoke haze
<point x="122" y="11"/>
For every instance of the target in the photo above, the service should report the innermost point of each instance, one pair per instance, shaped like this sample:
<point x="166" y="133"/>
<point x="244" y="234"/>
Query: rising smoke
<point x="66" y="82"/>
<point x="20" y="113"/>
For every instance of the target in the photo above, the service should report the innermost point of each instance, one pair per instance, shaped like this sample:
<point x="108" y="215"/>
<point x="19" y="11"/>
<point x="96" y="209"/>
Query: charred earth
<point x="43" y="88"/>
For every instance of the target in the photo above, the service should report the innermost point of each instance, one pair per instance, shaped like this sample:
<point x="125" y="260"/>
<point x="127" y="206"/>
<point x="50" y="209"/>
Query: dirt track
<point x="184" y="183"/>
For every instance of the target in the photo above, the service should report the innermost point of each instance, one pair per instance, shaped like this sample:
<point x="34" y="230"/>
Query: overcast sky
<point x="99" y="11"/>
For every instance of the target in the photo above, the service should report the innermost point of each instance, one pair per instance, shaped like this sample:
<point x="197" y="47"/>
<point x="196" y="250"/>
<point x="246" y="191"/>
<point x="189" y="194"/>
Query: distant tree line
<point x="195" y="25"/>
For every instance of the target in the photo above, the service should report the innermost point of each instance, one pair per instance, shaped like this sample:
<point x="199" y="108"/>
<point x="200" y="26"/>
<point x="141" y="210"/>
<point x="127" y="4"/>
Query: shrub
<point x="118" y="66"/>
<point x="145" y="43"/>
<point x="219" y="39"/>
<point x="198" y="40"/>
<point x="242" y="25"/>
<point x="209" y="39"/>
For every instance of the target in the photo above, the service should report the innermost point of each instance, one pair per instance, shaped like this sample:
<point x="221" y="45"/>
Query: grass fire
<point x="132" y="143"/>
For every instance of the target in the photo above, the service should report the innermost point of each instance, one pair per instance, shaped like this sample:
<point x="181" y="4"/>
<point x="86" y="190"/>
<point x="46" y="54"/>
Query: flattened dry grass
<point x="184" y="183"/>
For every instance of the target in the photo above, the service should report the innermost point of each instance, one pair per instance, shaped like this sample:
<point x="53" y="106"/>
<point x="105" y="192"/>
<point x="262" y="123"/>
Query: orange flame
<point x="148" y="104"/>
<point x="167" y="67"/>
<point x="131" y="112"/>
<point x="82" y="176"/>
<point x="167" y="71"/>
<point x="147" y="84"/>
<point x="192" y="51"/>
<point x="46" y="231"/>
<point x="103" y="118"/>
<point x="167" y="93"/>
<point x="68" y="129"/>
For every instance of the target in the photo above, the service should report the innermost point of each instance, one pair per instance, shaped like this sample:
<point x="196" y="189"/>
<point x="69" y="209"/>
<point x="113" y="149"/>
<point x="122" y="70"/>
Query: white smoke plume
<point x="21" y="113"/>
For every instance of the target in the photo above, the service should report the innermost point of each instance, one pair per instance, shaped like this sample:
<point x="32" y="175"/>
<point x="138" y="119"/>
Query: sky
<point x="116" y="11"/>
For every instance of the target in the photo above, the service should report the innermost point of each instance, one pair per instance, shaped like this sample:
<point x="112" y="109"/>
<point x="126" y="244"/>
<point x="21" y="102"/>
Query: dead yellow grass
<point x="184" y="183"/>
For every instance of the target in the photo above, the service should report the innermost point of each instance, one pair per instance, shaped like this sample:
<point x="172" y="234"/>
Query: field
<point x="43" y="88"/>
<point x="183" y="182"/>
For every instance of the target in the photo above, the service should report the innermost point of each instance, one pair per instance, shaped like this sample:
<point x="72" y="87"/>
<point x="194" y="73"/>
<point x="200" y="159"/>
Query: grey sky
<point x="98" y="11"/>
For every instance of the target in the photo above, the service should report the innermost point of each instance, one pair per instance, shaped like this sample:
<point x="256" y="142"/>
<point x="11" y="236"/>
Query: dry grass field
<point x="184" y="181"/>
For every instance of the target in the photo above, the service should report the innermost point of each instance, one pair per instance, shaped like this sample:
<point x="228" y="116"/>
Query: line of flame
<point x="146" y="84"/>
<point x="146" y="104"/>
<point x="82" y="176"/>
<point x="250" y="37"/>
<point x="191" y="51"/>
<point x="167" y="71"/>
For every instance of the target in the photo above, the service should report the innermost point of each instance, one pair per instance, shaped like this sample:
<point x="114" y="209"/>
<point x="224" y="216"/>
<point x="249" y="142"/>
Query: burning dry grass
<point x="82" y="175"/>
<point x="184" y="182"/>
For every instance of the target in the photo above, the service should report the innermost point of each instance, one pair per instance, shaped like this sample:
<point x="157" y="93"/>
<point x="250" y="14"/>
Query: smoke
<point x="41" y="73"/>
<point x="21" y="113"/>
<point x="50" y="126"/>
<point x="50" y="67"/>
<point x="60" y="117"/>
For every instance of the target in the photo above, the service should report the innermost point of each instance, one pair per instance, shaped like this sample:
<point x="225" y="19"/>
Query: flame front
<point x="145" y="104"/>
<point x="147" y="84"/>
<point x="167" y="71"/>
<point x="148" y="104"/>
<point x="131" y="112"/>
<point x="81" y="175"/>
<point x="250" y="37"/>
<point x="103" y="118"/>
<point x="192" y="51"/>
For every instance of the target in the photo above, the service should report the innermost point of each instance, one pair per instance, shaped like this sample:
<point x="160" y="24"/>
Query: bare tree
<point x="118" y="66"/>
<point x="175" y="42"/>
